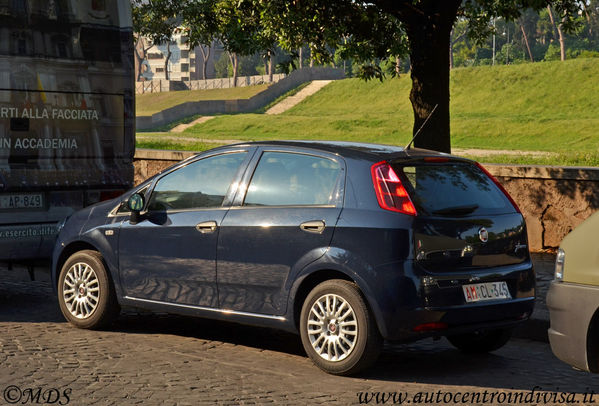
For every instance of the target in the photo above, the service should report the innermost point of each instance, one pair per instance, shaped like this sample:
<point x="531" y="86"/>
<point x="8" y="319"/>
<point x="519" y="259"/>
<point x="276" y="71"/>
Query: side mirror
<point x="135" y="204"/>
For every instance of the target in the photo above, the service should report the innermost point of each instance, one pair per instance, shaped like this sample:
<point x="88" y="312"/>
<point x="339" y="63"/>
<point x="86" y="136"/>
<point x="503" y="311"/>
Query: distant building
<point x="181" y="64"/>
<point x="184" y="64"/>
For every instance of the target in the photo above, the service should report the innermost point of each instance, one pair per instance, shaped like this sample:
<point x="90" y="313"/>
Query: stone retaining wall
<point x="212" y="107"/>
<point x="554" y="200"/>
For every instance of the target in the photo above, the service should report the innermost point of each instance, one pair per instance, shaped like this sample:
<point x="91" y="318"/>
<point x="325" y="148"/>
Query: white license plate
<point x="479" y="292"/>
<point x="21" y="201"/>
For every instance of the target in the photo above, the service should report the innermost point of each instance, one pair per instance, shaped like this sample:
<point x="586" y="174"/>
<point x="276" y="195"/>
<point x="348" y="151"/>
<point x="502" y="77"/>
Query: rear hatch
<point x="464" y="218"/>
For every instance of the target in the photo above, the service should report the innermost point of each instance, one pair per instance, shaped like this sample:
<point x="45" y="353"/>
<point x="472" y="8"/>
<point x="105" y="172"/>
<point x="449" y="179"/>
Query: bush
<point x="588" y="54"/>
<point x="553" y="53"/>
<point x="221" y="66"/>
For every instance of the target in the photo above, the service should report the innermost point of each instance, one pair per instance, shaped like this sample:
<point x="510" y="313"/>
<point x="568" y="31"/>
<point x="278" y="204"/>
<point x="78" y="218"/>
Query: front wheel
<point x="337" y="329"/>
<point x="481" y="342"/>
<point x="85" y="293"/>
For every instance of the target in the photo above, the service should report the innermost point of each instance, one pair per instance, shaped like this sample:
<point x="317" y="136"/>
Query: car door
<point x="285" y="221"/>
<point x="170" y="254"/>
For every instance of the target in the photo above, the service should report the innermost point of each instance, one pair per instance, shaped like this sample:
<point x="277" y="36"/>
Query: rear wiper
<point x="457" y="210"/>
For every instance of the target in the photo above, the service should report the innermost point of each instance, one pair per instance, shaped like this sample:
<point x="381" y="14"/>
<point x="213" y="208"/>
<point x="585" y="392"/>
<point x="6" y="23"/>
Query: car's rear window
<point x="452" y="189"/>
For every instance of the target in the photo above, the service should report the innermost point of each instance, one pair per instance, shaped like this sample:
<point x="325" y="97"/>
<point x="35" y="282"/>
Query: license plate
<point x="486" y="291"/>
<point x="22" y="201"/>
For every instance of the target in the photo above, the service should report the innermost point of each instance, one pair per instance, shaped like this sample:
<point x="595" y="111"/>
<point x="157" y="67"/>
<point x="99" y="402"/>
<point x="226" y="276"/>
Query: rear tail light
<point x="390" y="192"/>
<point x="482" y="168"/>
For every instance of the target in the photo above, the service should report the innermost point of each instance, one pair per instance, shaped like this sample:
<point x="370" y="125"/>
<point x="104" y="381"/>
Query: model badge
<point x="483" y="234"/>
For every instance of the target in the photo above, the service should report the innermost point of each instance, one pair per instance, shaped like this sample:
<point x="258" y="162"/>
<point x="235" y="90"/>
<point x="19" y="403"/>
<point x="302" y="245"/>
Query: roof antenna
<point x="421" y="127"/>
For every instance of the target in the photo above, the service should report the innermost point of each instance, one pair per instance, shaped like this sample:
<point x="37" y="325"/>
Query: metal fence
<point x="162" y="85"/>
<point x="152" y="86"/>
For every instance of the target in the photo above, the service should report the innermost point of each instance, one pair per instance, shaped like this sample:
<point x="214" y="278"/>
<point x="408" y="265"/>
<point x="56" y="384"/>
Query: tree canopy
<point x="390" y="29"/>
<point x="366" y="32"/>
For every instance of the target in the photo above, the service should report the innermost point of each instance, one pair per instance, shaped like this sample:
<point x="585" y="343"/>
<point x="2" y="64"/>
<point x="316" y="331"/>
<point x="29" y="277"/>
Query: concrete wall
<point x="212" y="107"/>
<point x="554" y="200"/>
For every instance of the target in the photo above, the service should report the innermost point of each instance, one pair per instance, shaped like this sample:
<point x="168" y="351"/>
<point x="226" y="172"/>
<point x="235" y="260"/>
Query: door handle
<point x="315" y="226"/>
<point x="206" y="227"/>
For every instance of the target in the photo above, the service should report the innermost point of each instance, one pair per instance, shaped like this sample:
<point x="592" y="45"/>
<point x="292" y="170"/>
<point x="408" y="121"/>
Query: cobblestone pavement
<point x="158" y="359"/>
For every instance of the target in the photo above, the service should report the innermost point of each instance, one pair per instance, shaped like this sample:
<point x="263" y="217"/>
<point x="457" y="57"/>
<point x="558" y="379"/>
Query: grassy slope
<point x="552" y="106"/>
<point x="150" y="103"/>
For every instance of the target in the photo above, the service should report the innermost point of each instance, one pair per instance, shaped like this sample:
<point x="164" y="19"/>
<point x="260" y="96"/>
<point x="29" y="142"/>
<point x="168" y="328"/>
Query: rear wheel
<point x="85" y="294"/>
<point x="338" y="331"/>
<point x="481" y="341"/>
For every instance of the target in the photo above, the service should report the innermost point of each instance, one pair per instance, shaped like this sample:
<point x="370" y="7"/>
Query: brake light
<point x="435" y="159"/>
<point x="390" y="192"/>
<point x="486" y="172"/>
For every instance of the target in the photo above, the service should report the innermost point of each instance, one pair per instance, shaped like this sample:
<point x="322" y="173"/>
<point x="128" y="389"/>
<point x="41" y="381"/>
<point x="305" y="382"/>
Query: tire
<point x="336" y="349"/>
<point x="481" y="342"/>
<point x="95" y="305"/>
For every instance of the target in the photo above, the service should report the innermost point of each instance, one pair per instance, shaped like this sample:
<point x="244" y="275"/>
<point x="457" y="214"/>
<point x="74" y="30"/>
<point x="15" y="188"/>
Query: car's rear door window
<point x="453" y="189"/>
<point x="292" y="179"/>
<point x="200" y="184"/>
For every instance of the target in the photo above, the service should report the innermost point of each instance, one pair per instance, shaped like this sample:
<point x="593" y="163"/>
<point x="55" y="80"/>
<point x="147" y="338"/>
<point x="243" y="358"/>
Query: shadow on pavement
<point x="211" y="330"/>
<point x="521" y="365"/>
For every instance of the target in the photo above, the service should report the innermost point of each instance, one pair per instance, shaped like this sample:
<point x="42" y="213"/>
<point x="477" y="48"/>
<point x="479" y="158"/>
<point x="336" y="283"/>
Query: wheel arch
<point x="318" y="276"/>
<point x="69" y="250"/>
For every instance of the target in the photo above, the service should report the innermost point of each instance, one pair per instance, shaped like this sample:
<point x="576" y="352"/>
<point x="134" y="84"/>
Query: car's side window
<point x="200" y="184"/>
<point x="291" y="179"/>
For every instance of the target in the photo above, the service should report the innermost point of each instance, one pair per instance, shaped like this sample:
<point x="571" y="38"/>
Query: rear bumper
<point x="439" y="306"/>
<point x="571" y="308"/>
<point x="462" y="319"/>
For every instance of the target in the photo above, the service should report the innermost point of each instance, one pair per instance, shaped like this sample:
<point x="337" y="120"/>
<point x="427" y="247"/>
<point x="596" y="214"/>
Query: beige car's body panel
<point x="574" y="301"/>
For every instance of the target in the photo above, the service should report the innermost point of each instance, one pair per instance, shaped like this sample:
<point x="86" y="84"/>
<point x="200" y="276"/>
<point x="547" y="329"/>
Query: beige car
<point x="573" y="298"/>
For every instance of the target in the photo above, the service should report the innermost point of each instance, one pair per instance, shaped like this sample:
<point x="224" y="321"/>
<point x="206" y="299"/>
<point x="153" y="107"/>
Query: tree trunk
<point x="562" y="42"/>
<point x="168" y="57"/>
<point x="451" y="49"/>
<point x="301" y="58"/>
<point x="429" y="37"/>
<point x="560" y="33"/>
<point x="271" y="63"/>
<point x="532" y="59"/>
<point x="205" y="56"/>
<point x="141" y="56"/>
<point x="138" y="60"/>
<point x="234" y="63"/>
<point x="588" y="17"/>
<point x="397" y="66"/>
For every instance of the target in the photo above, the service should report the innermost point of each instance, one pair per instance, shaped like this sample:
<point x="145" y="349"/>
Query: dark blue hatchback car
<point x="348" y="244"/>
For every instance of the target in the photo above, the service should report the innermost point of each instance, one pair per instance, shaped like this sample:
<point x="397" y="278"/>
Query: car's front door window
<point x="200" y="184"/>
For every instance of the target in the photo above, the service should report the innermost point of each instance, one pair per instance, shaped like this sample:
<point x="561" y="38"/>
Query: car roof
<point x="359" y="150"/>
